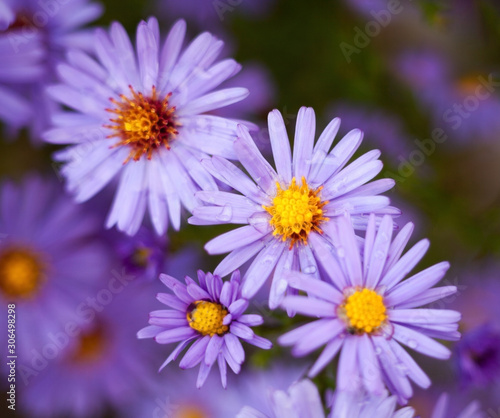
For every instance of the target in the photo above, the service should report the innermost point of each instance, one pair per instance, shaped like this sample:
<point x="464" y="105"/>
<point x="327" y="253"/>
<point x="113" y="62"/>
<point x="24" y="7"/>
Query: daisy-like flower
<point x="302" y="400"/>
<point x="98" y="364"/>
<point x="49" y="257"/>
<point x="367" y="310"/>
<point x="211" y="316"/>
<point x="141" y="116"/>
<point x="286" y="211"/>
<point x="34" y="35"/>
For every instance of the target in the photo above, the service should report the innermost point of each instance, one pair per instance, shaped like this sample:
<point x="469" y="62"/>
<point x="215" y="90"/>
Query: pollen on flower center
<point x="21" y="272"/>
<point x="207" y="317"/>
<point x="364" y="311"/>
<point x="143" y="123"/>
<point x="296" y="211"/>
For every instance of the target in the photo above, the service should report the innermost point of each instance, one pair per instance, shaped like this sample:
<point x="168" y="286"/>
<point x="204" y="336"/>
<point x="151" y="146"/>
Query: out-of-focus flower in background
<point x="50" y="258"/>
<point x="34" y="36"/>
<point x="99" y="365"/>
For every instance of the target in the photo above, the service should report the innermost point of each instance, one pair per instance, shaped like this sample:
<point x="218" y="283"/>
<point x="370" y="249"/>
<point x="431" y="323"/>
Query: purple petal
<point x="174" y="335"/>
<point x="314" y="287"/>
<point x="222" y="369"/>
<point x="379" y="252"/>
<point x="303" y="142"/>
<point x="237" y="258"/>
<point x="241" y="331"/>
<point x="421" y="343"/>
<point x="253" y="161"/>
<point x="195" y="354"/>
<point x="398" y="245"/>
<point x="238" y="307"/>
<point x="261" y="268"/>
<point x="348" y="374"/>
<point x="310" y="307"/>
<point x="203" y="374"/>
<point x="172" y="301"/>
<point x="214" y="348"/>
<point x="234" y="348"/>
<point x="416" y="284"/>
<point x="326" y="356"/>
<point x="232" y="240"/>
<point x="280" y="145"/>
<point x="405" y="264"/>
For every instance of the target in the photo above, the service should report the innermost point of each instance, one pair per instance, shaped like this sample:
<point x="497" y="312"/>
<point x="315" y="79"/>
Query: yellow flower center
<point x="143" y="123"/>
<point x="90" y="346"/>
<point x="22" y="271"/>
<point x="206" y="318"/>
<point x="364" y="311"/>
<point x="296" y="211"/>
<point x="140" y="257"/>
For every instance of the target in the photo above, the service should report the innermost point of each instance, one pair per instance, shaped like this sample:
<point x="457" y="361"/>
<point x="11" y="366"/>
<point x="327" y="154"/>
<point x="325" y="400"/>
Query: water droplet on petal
<point x="378" y="350"/>
<point x="412" y="344"/>
<point x="379" y="255"/>
<point x="340" y="252"/>
<point x="225" y="214"/>
<point x="309" y="269"/>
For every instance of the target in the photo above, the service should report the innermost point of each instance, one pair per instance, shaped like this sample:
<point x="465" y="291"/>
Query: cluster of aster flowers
<point x="315" y="227"/>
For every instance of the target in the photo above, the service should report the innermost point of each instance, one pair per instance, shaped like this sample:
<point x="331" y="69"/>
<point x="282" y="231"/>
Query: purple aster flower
<point x="477" y="356"/>
<point x="99" y="363"/>
<point x="465" y="105"/>
<point x="367" y="310"/>
<point x="361" y="405"/>
<point x="49" y="257"/>
<point x="302" y="400"/>
<point x="211" y="316"/>
<point x="141" y="115"/>
<point x="285" y="211"/>
<point x="441" y="410"/>
<point x="142" y="255"/>
<point x="34" y="35"/>
<point x="175" y="397"/>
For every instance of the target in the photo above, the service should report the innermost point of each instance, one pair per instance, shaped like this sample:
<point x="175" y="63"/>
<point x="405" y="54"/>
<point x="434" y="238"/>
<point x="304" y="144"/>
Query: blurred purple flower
<point x="466" y="107"/>
<point x="287" y="210"/>
<point x="302" y="400"/>
<point x="366" y="311"/>
<point x="441" y="410"/>
<point x="34" y="35"/>
<point x="49" y="257"/>
<point x="142" y="255"/>
<point x="211" y="316"/>
<point x="477" y="356"/>
<point x="141" y="116"/>
<point x="100" y="364"/>
<point x="361" y="405"/>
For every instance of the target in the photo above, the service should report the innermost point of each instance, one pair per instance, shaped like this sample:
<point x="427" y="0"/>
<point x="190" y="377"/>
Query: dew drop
<point x="412" y="344"/>
<point x="340" y="252"/>
<point x="378" y="350"/>
<point x="225" y="214"/>
<point x="309" y="269"/>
